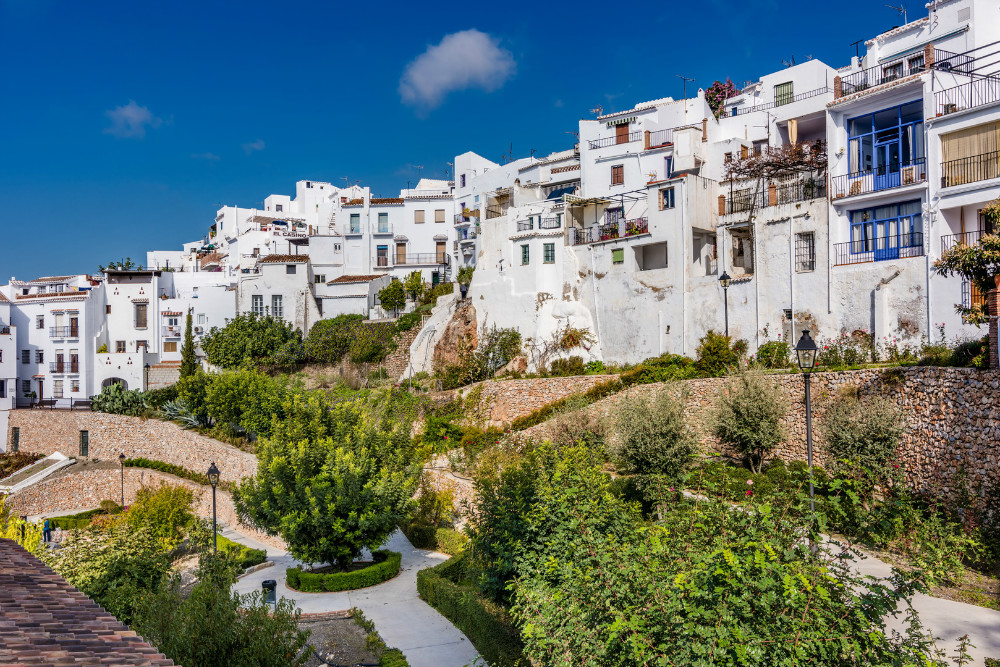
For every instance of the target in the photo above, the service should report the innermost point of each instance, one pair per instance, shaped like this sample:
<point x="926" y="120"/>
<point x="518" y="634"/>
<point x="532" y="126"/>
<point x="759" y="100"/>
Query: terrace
<point x="886" y="177"/>
<point x="64" y="332"/>
<point x="879" y="249"/>
<point x="970" y="169"/>
<point x="610" y="231"/>
<point x="775" y="194"/>
<point x="616" y="139"/>
<point x="884" y="73"/>
<point x="779" y="101"/>
<point x="983" y="88"/>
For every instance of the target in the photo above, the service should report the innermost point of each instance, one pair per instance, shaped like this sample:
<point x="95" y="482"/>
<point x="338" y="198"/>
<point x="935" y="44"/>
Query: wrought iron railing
<point x="609" y="231"/>
<point x="64" y="367"/>
<point x="469" y="217"/>
<point x="549" y="223"/>
<point x="382" y="229"/>
<point x="661" y="138"/>
<point x="879" y="249"/>
<point x="975" y="93"/>
<point x="525" y="225"/>
<point x="778" y="102"/>
<point x="784" y="193"/>
<point x="972" y="297"/>
<point x="891" y="176"/>
<point x="64" y="332"/>
<point x="965" y="238"/>
<point x="616" y="139"/>
<point x="419" y="258"/>
<point x="4" y="331"/>
<point x="970" y="169"/>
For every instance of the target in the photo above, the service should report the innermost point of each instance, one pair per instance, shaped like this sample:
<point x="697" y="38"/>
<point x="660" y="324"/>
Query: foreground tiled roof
<point x="3" y="299"/>
<point x="283" y="259"/>
<point x="52" y="279"/>
<point x="75" y="294"/>
<point x="353" y="279"/>
<point x="45" y="621"/>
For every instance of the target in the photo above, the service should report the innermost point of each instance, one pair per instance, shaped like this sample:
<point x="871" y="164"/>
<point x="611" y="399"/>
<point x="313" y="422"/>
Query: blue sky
<point x="125" y="125"/>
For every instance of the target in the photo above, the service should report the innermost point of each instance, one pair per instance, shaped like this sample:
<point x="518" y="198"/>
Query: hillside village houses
<point x="824" y="195"/>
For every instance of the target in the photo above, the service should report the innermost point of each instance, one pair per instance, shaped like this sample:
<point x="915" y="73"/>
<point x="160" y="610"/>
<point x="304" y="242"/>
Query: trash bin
<point x="269" y="587"/>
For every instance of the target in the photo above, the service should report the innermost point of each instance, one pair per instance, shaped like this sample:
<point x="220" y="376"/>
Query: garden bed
<point x="383" y="566"/>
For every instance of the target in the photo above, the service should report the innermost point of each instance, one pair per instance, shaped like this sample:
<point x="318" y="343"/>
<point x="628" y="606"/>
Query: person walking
<point x="46" y="531"/>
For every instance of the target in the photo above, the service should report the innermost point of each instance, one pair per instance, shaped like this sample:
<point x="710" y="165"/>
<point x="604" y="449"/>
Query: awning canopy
<point x="556" y="194"/>
<point x="573" y="200"/>
<point x="276" y="219"/>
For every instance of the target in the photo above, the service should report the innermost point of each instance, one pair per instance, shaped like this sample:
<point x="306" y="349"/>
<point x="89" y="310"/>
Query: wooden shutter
<point x="621" y="133"/>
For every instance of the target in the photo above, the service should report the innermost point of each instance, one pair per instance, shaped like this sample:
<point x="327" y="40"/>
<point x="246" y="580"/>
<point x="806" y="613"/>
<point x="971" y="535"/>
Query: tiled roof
<point x="3" y="299"/>
<point x="353" y="279"/>
<point x="52" y="279"/>
<point x="897" y="30"/>
<point x="282" y="259"/>
<point x="386" y="201"/>
<point x="171" y="313"/>
<point x="45" y="621"/>
<point x="81" y="294"/>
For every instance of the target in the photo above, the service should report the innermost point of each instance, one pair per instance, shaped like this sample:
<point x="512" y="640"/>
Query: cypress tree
<point x="189" y="361"/>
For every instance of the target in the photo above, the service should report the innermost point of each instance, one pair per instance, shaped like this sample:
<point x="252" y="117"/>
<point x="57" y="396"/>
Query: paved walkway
<point x="404" y="621"/>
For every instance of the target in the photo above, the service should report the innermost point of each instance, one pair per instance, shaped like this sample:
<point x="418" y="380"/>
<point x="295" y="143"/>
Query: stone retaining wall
<point x="498" y="402"/>
<point x="47" y="431"/>
<point x="88" y="488"/>
<point x="953" y="416"/>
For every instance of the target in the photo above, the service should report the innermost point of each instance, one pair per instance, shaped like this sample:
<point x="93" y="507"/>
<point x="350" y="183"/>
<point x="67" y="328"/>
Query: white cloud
<point x="209" y="157"/>
<point x="466" y="59"/>
<point x="131" y="121"/>
<point x="253" y="146"/>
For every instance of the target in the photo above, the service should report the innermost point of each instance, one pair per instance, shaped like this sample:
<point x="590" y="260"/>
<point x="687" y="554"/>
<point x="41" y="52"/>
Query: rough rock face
<point x="518" y="364"/>
<point x="459" y="337"/>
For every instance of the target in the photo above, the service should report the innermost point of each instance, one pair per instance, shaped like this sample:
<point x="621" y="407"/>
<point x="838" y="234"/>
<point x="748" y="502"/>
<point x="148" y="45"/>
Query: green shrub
<point x="747" y="417"/>
<point x="846" y="350"/>
<point x="115" y="399"/>
<point x="485" y="623"/>
<point x="385" y="566"/>
<point x="392" y="657"/>
<point x="861" y="438"/>
<point x="176" y="470"/>
<point x="595" y="367"/>
<point x="241" y="554"/>
<point x="329" y="340"/>
<point x="372" y="342"/>
<point x="441" y="434"/>
<point x="445" y="540"/>
<point x="164" y="511"/>
<point x="497" y="347"/>
<point x="430" y="296"/>
<point x="665" y="368"/>
<point x="83" y="519"/>
<point x="392" y="296"/>
<point x="567" y="367"/>
<point x="247" y="398"/>
<point x="774" y="354"/>
<point x="155" y="398"/>
<point x="475" y="441"/>
<point x="408" y="321"/>
<point x="653" y="442"/>
<point x="716" y="355"/>
<point x="249" y="339"/>
<point x="974" y="353"/>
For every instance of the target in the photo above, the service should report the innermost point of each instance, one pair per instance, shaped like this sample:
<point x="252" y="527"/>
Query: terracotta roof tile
<point x="80" y="294"/>
<point x="3" y="299"/>
<point x="51" y="279"/>
<point x="353" y="279"/>
<point x="282" y="259"/>
<point x="45" y="621"/>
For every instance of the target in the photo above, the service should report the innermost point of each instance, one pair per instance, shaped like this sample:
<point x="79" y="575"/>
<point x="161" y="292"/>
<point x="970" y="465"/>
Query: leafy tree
<point x="329" y="340"/>
<point x="861" y="439"/>
<point x="979" y="264"/>
<point x="189" y="360"/>
<point x="248" y="339"/>
<point x="716" y="355"/>
<point x="115" y="566"/>
<point x="213" y="627"/>
<point x="414" y="285"/>
<point x="192" y="395"/>
<point x="331" y="497"/>
<point x="497" y="347"/>
<point x="247" y="398"/>
<point x="392" y="296"/>
<point x="372" y="342"/>
<point x="747" y="417"/>
<point x="654" y="443"/>
<point x="165" y="512"/>
<point x="464" y="276"/>
<point x="121" y="265"/>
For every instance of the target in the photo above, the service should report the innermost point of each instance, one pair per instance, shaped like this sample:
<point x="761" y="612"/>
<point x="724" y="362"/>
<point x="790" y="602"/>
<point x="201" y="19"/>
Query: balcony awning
<point x="573" y="200"/>
<point x="621" y="121"/>
<point x="556" y="194"/>
<point x="276" y="219"/>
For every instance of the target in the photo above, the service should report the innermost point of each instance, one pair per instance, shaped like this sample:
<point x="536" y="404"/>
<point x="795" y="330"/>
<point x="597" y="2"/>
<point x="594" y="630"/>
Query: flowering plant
<point x="718" y="93"/>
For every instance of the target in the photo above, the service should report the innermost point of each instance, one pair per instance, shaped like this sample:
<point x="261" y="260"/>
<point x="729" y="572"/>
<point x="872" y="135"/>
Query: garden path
<point x="403" y="620"/>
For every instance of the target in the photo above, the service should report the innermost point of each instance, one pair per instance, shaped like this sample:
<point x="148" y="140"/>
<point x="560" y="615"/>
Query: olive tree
<point x="747" y="417"/>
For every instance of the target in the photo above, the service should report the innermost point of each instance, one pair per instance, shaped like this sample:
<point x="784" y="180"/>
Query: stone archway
<point x="110" y="381"/>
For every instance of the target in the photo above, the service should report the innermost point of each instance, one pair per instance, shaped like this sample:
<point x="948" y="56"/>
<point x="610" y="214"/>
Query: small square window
<point x="618" y="174"/>
<point x="39" y="321"/>
<point x="525" y="254"/>
<point x="290" y="269"/>
<point x="418" y="217"/>
<point x="84" y="443"/>
<point x="666" y="198"/>
<point x="39" y="357"/>
<point x="618" y="256"/>
<point x="278" y="208"/>
<point x="319" y="278"/>
<point x="549" y="253"/>
<point x="119" y="346"/>
<point x="439" y="215"/>
<point x="25" y="356"/>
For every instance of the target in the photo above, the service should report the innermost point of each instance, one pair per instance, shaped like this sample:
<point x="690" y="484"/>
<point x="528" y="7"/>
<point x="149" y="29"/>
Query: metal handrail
<point x="975" y="93"/>
<point x="879" y="249"/>
<point x="965" y="238"/>
<point x="895" y="175"/>
<point x="616" y="139"/>
<point x="737" y="111"/>
<point x="970" y="169"/>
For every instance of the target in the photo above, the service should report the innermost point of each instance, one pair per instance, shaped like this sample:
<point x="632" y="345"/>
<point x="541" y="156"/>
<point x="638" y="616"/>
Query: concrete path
<point x="404" y="621"/>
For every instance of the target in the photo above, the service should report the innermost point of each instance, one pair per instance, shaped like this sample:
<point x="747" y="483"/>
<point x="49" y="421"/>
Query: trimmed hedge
<point x="77" y="521"/>
<point x="445" y="540"/>
<point x="385" y="567"/>
<point x="243" y="555"/>
<point x="485" y="623"/>
<point x="172" y="469"/>
<point x="392" y="657"/>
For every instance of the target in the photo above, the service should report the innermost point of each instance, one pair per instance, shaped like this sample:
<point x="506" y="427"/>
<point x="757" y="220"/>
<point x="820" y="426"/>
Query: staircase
<point x="164" y="374"/>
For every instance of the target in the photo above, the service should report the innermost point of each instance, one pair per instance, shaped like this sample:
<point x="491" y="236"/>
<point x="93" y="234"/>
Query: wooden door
<point x="621" y="133"/>
<point x="441" y="250"/>
<point x="400" y="253"/>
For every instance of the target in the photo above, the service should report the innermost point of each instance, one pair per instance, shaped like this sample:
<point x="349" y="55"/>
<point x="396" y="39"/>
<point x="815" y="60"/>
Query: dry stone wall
<point x="48" y="431"/>
<point x="88" y="488"/>
<point x="953" y="416"/>
<point x="498" y="402"/>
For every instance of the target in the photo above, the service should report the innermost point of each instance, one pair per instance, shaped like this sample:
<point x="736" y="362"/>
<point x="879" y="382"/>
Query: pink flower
<point x="671" y="488"/>
<point x="749" y="492"/>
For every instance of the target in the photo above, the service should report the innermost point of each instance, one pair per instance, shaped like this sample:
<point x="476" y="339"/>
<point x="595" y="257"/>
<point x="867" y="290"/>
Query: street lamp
<point x="724" y="281"/>
<point x="806" y="351"/>
<point x="213" y="479"/>
<point x="121" y="461"/>
<point x="147" y="375"/>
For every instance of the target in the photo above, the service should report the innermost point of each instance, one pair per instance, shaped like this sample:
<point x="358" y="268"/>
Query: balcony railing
<point x="609" y="231"/>
<point x="496" y="210"/>
<point x="965" y="238"/>
<point x="879" y="249"/>
<point x="525" y="225"/>
<point x="784" y="193"/>
<point x="899" y="69"/>
<point x="549" y="223"/>
<point x="382" y="229"/>
<point x="616" y="139"/>
<point x="171" y="331"/>
<point x="778" y="102"/>
<point x="975" y="93"/>
<point x="4" y="331"/>
<point x="467" y="234"/>
<point x="970" y="169"/>
<point x="64" y="332"/>
<point x="64" y="367"/>
<point x="420" y="258"/>
<point x="382" y="262"/>
<point x="895" y="175"/>
<point x="463" y="218"/>
<point x="661" y="138"/>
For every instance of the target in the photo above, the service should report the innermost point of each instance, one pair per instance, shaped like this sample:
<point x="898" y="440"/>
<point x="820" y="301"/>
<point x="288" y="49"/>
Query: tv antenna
<point x="901" y="9"/>
<point x="451" y="167"/>
<point x="686" y="79"/>
<point x="598" y="110"/>
<point x="789" y="63"/>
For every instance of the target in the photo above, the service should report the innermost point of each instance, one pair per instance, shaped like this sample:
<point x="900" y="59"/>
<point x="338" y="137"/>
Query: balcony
<point x="496" y="211"/>
<point x="64" y="332"/>
<point x="525" y="225"/>
<point x="549" y="223"/>
<point x="966" y="238"/>
<point x="212" y="260"/>
<point x="4" y="330"/>
<point x="896" y="175"/>
<point x="975" y="93"/>
<point x="913" y="64"/>
<point x="64" y="367"/>
<point x="970" y="169"/>
<point x="424" y="258"/>
<point x="171" y="331"/>
<point x="465" y="235"/>
<point x="610" y="231"/>
<point x="466" y="217"/>
<point x="778" y="102"/>
<point x="615" y="140"/>
<point x="879" y="249"/>
<point x="383" y="230"/>
<point x="660" y="138"/>
<point x="775" y="195"/>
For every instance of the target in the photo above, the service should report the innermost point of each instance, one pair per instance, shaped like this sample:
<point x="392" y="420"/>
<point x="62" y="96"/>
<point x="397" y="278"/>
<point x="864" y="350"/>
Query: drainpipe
<point x="593" y="285"/>
<point x="791" y="276"/>
<point x="930" y="214"/>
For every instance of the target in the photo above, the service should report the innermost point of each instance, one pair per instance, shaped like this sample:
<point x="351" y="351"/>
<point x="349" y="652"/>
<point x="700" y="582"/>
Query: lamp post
<point x="213" y="479"/>
<point x="147" y="376"/>
<point x="121" y="461"/>
<point x="724" y="281"/>
<point x="806" y="351"/>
